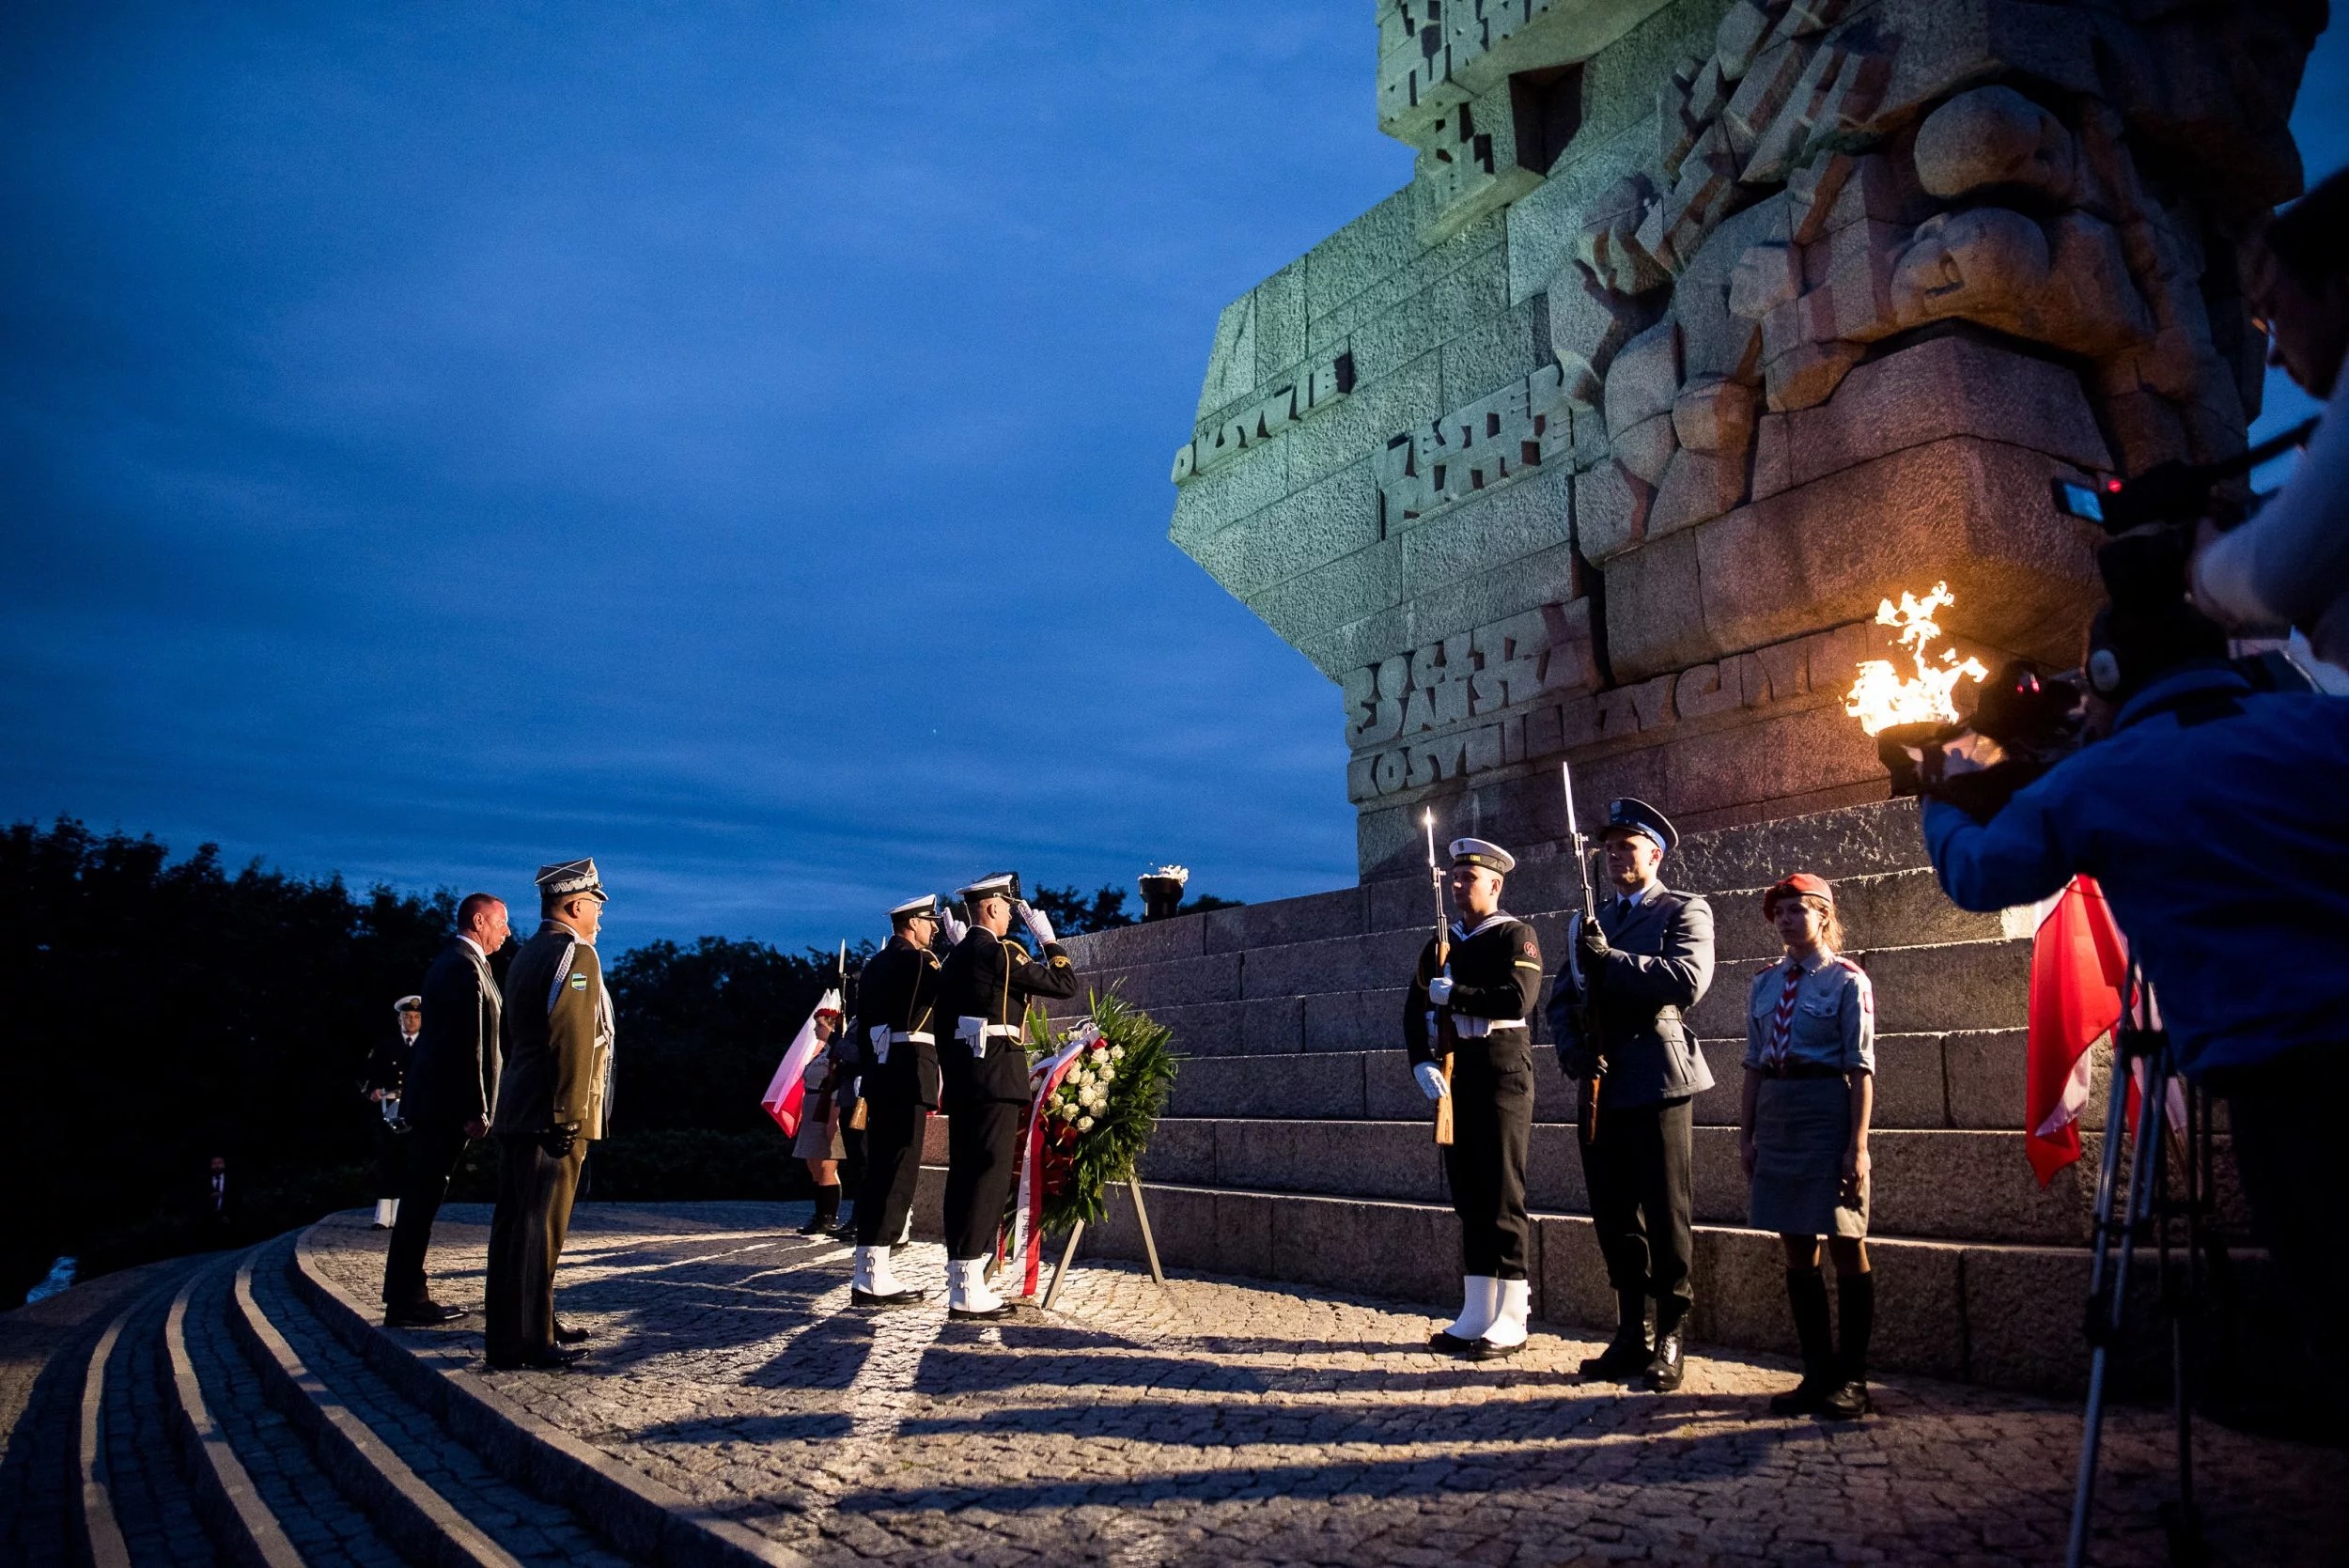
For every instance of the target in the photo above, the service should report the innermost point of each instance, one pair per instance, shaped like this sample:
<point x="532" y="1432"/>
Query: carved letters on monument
<point x="1701" y="328"/>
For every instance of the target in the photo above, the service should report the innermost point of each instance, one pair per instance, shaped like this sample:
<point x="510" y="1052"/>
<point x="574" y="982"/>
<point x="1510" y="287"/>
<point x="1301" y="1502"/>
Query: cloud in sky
<point x="730" y="440"/>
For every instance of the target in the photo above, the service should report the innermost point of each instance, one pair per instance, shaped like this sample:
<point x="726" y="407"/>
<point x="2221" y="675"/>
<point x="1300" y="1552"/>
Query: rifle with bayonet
<point x="1585" y="1009"/>
<point x="1447" y="1032"/>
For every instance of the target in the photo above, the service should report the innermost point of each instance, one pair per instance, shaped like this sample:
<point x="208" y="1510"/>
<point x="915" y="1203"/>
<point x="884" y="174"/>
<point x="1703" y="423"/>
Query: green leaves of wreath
<point x="1083" y="1165"/>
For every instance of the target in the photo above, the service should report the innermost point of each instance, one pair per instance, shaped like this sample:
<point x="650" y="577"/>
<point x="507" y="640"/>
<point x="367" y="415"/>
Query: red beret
<point x="1801" y="884"/>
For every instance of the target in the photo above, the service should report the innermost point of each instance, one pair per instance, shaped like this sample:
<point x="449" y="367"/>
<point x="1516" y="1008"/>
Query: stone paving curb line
<point x="101" y="1533"/>
<point x="638" y="1515"/>
<point x="224" y="1494"/>
<point x="417" y="1519"/>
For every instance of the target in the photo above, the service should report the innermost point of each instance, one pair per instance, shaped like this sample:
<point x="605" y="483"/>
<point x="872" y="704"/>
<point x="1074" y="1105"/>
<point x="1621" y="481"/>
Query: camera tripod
<point x="2161" y="1204"/>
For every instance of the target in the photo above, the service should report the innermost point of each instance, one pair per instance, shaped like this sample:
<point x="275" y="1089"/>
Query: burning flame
<point x="1880" y="698"/>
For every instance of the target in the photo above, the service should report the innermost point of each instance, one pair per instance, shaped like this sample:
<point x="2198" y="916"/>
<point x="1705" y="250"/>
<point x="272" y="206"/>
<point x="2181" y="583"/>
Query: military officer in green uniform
<point x="896" y="1001"/>
<point x="552" y="1100"/>
<point x="1482" y="994"/>
<point x="983" y="988"/>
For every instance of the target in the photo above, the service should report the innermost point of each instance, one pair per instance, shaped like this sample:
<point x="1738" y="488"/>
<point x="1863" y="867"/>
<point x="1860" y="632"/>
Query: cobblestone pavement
<point x="1242" y="1422"/>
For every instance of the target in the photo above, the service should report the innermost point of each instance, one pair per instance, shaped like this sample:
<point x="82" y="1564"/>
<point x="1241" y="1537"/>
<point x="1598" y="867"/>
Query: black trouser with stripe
<point x="981" y="1166"/>
<point x="1492" y="1125"/>
<point x="1643" y="1183"/>
<point x="526" y="1234"/>
<point x="893" y="1169"/>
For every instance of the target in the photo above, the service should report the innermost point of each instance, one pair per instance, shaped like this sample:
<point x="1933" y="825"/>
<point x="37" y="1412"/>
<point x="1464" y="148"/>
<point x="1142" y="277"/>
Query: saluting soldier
<point x="896" y="998"/>
<point x="552" y="1102"/>
<point x="983" y="987"/>
<point x="1487" y="989"/>
<point x="1647" y="960"/>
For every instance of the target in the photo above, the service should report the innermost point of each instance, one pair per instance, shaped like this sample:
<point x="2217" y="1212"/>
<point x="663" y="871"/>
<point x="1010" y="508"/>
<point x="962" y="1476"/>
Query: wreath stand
<point x="1149" y="1245"/>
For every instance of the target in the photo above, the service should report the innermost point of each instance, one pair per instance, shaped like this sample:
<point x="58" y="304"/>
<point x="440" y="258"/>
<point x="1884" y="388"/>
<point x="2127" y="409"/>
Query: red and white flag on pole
<point x="2078" y="964"/>
<point x="789" y="1084"/>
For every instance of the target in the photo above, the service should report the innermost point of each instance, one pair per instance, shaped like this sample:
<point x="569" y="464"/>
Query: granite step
<point x="2006" y="1316"/>
<point x="133" y="1503"/>
<point x="1969" y="1079"/>
<point x="265" y="1499"/>
<point x="425" y="1490"/>
<point x="1946" y="1185"/>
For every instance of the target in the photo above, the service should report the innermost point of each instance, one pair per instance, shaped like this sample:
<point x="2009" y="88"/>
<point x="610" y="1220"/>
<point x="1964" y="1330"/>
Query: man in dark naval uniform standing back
<point x="1645" y="963"/>
<point x="1482" y="994"/>
<point x="896" y="1005"/>
<point x="552" y="1102"/>
<point x="983" y="992"/>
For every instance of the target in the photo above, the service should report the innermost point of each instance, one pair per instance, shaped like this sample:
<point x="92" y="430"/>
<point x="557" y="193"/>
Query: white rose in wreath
<point x="1084" y="1123"/>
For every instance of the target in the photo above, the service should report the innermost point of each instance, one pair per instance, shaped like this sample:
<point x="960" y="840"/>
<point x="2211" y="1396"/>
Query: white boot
<point x="875" y="1283"/>
<point x="386" y="1210"/>
<point x="967" y="1293"/>
<point x="1479" y="1293"/>
<point x="1505" y="1334"/>
<point x="861" y="1272"/>
<point x="395" y="1218"/>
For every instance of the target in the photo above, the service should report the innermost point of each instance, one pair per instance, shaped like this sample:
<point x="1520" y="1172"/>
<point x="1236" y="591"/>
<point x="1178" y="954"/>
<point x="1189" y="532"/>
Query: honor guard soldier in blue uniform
<point x="983" y="988"/>
<point x="896" y="1001"/>
<point x="1644" y="963"/>
<point x="552" y="1098"/>
<point x="1485" y="991"/>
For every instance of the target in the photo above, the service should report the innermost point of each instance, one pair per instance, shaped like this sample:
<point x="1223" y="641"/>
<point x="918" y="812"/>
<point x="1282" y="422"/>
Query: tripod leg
<point x="2104" y="1310"/>
<point x="1149" y="1243"/>
<point x="1060" y="1269"/>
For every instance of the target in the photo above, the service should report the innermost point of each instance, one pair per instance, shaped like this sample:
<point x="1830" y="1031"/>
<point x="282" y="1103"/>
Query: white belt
<point x="976" y="1031"/>
<point x="1476" y="1029"/>
<point x="883" y="1037"/>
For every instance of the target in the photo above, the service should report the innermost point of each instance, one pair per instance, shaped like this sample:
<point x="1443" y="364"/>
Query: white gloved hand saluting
<point x="1440" y="990"/>
<point x="1431" y="1080"/>
<point x="952" y="925"/>
<point x="1038" y="927"/>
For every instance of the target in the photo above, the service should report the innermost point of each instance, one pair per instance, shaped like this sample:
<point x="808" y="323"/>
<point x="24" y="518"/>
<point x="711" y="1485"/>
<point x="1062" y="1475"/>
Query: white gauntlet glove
<point x="952" y="925"/>
<point x="1038" y="927"/>
<point x="1439" y="989"/>
<point x="1431" y="1080"/>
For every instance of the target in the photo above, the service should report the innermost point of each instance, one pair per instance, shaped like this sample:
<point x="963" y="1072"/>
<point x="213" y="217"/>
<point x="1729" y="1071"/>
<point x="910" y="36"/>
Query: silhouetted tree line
<point x="158" y="1015"/>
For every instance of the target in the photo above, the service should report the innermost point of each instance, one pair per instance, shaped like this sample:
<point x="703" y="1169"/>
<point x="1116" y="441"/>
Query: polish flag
<point x="2078" y="964"/>
<point x="789" y="1084"/>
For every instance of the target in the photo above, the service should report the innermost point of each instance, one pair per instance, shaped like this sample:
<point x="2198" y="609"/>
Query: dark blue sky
<point x="728" y="440"/>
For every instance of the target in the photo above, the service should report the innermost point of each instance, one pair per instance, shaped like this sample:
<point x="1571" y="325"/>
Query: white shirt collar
<point x="1812" y="965"/>
<point x="479" y="950"/>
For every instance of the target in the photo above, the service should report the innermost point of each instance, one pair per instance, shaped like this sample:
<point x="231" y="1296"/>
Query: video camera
<point x="2022" y="724"/>
<point x="2173" y="494"/>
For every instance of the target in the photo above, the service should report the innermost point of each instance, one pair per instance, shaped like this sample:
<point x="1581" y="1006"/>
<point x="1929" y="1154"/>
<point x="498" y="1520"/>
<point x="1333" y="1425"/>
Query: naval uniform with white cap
<point x="1650" y="958"/>
<point x="896" y="1039"/>
<point x="1489" y="985"/>
<point x="984" y="988"/>
<point x="553" y="1098"/>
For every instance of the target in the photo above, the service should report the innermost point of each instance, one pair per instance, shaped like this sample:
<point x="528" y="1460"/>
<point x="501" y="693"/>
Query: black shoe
<point x="1804" y="1398"/>
<point x="421" y="1314"/>
<point x="565" y="1334"/>
<point x="905" y="1297"/>
<point x="1445" y="1342"/>
<point x="554" y="1358"/>
<point x="978" y="1314"/>
<point x="1665" y="1367"/>
<point x="845" y="1231"/>
<point x="1484" y="1350"/>
<point x="1625" y="1355"/>
<point x="1846" y="1402"/>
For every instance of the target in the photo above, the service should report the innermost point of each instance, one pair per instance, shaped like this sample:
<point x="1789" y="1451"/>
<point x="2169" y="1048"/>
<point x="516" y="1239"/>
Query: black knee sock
<point x="826" y="1204"/>
<point x="1856" y="1293"/>
<point x="1805" y="1293"/>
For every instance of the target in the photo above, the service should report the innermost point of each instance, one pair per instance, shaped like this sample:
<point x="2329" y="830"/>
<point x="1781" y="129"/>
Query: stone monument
<point x="1700" y="329"/>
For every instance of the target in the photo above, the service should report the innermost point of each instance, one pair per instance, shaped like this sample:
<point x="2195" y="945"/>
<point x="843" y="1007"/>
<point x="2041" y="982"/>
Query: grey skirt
<point x="819" y="1131"/>
<point x="1801" y="1126"/>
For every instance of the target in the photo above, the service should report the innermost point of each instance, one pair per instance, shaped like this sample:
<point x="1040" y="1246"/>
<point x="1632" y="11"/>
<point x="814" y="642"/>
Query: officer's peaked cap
<point x="569" y="879"/>
<point x="1638" y="816"/>
<point x="1002" y="884"/>
<point x="924" y="906"/>
<point x="408" y="1005"/>
<point x="1483" y="852"/>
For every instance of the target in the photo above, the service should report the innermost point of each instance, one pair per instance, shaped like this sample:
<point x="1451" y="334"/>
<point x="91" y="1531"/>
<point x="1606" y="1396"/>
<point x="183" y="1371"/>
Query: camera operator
<point x="2216" y="817"/>
<point x="2290" y="565"/>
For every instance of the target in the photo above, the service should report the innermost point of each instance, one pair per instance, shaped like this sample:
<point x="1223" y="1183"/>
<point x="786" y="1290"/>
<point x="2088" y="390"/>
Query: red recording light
<point x="2112" y="487"/>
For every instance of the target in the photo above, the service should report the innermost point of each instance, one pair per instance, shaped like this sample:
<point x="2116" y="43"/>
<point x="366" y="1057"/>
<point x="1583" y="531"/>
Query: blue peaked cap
<point x="1638" y="816"/>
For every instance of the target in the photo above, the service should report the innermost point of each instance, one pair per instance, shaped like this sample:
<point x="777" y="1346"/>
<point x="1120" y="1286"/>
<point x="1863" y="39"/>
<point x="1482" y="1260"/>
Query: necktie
<point x="1782" y="1025"/>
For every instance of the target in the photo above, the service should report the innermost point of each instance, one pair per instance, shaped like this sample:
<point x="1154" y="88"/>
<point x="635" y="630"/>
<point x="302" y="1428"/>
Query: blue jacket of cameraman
<point x="2215" y="818"/>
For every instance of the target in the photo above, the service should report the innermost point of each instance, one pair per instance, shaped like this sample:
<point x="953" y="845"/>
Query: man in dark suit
<point x="451" y="1088"/>
<point x="1643" y="964"/>
<point x="550" y="1104"/>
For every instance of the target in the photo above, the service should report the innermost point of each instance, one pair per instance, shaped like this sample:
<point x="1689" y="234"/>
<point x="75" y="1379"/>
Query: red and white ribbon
<point x="1027" y="1223"/>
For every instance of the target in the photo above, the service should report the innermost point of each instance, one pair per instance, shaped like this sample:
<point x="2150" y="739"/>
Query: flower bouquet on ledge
<point x="1098" y="1087"/>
